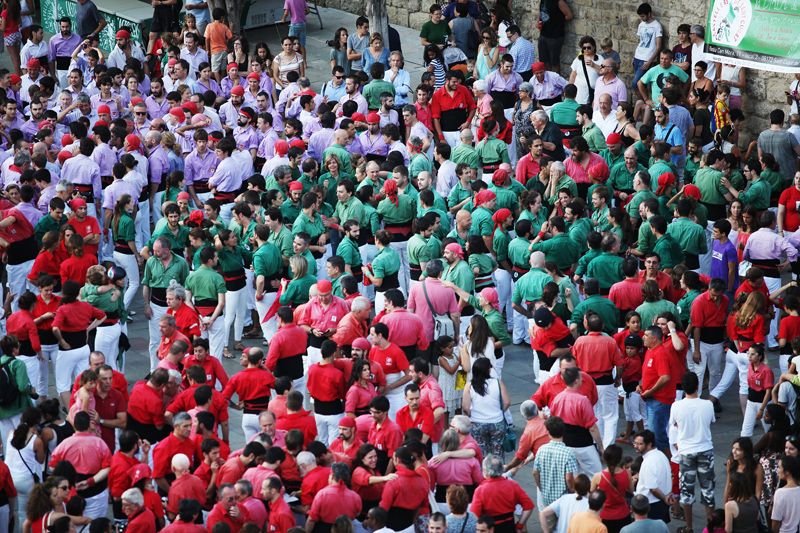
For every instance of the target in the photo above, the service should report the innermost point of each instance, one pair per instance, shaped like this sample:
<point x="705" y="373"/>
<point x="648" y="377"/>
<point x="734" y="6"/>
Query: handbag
<point x="588" y="83"/>
<point x="442" y="324"/>
<point x="461" y="380"/>
<point x="36" y="479"/>
<point x="510" y="436"/>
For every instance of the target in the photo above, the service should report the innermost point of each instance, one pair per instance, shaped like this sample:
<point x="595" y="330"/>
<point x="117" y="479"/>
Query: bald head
<point x="180" y="463"/>
<point x="153" y="138"/>
<point x="537" y="260"/>
<point x="39" y="148"/>
<point x="340" y="137"/>
<point x="466" y="136"/>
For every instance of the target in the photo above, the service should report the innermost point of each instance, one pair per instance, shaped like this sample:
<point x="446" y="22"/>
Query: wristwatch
<point x="100" y="421"/>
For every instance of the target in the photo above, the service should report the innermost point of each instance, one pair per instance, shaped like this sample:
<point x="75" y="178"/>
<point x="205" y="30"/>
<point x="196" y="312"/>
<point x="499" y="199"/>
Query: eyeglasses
<point x="587" y="47"/>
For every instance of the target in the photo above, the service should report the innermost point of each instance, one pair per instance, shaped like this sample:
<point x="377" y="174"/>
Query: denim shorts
<point x="299" y="31"/>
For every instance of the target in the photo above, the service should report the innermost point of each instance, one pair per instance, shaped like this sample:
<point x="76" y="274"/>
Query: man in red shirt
<point x="599" y="356"/>
<point x="627" y="294"/>
<point x="334" y="500"/>
<point x="92" y="461"/>
<point x="709" y="314"/>
<point x="177" y="442"/>
<point x="266" y="422"/>
<point x="326" y="386"/>
<point x="118" y="381"/>
<point x="345" y="447"/>
<point x="452" y="109"/>
<point x="555" y="384"/>
<point x="110" y="407"/>
<point x="577" y="413"/>
<point x="186" y="486"/>
<point x="384" y="434"/>
<point x="657" y="387"/>
<point x="188" y="511"/>
<point x="354" y="325"/>
<point x="233" y="469"/>
<point x="287" y="349"/>
<point x="394" y="363"/>
<point x="169" y="334"/>
<point x="498" y="497"/>
<point x="430" y="395"/>
<point x="533" y="436"/>
<point x="146" y="407"/>
<point x="405" y="329"/>
<point x="121" y="463"/>
<point x="252" y="385"/>
<point x="228" y="510"/>
<point x="297" y="418"/>
<point x="281" y="518"/>
<point x="212" y="366"/>
<point x="315" y="478"/>
<point x="185" y="401"/>
<point x="140" y="518"/>
<point x="414" y="415"/>
<point x="321" y="316"/>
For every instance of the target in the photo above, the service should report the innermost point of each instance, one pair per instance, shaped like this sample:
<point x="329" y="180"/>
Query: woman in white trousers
<point x="25" y="454"/>
<point x="759" y="389"/>
<point x="126" y="254"/>
<point x="232" y="260"/>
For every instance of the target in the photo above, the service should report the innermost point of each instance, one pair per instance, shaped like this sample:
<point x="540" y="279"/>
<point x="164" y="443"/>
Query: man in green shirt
<point x="527" y="291"/>
<point x="655" y="77"/>
<point x="641" y="184"/>
<point x="661" y="163"/>
<point x="279" y="234"/>
<point x="589" y="129"/>
<point x="465" y="152"/>
<point x="347" y="205"/>
<point x="462" y="191"/>
<point x="614" y="152"/>
<point x="418" y="161"/>
<point x="291" y="208"/>
<point x="622" y="174"/>
<point x="709" y="180"/>
<point x="579" y="225"/>
<point x="424" y="182"/>
<point x="177" y="234"/>
<point x="645" y="241"/>
<point x="606" y="268"/>
<point x="385" y="268"/>
<point x="436" y="30"/>
<point x="594" y="240"/>
<point x="503" y="221"/>
<point x="564" y="113"/>
<point x="339" y="149"/>
<point x="666" y="247"/>
<point x="373" y="90"/>
<point x="279" y="180"/>
<point x="758" y="191"/>
<point x="52" y="221"/>
<point x="419" y="253"/>
<point x="267" y="268"/>
<point x="597" y="304"/>
<point x="348" y="249"/>
<point x="689" y="235"/>
<point x="461" y="231"/>
<point x="457" y="270"/>
<point x="334" y="269"/>
<point x="485" y="202"/>
<point x="161" y="268"/>
<point x="559" y="248"/>
<point x="491" y="150"/>
<point x="501" y="187"/>
<point x="300" y="245"/>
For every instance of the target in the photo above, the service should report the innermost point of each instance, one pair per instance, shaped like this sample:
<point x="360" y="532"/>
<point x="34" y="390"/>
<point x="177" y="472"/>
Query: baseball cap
<point x="543" y="317"/>
<point x="123" y="34"/>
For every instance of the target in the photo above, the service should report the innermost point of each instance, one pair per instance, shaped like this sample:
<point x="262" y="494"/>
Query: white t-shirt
<point x="699" y="55"/>
<point x="655" y="473"/>
<point x="692" y="418"/>
<point x="788" y="397"/>
<point x="580" y="78"/>
<point x="786" y="508"/>
<point x="647" y="32"/>
<point x="565" y="507"/>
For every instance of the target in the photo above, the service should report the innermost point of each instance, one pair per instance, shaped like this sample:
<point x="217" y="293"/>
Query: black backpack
<point x="9" y="393"/>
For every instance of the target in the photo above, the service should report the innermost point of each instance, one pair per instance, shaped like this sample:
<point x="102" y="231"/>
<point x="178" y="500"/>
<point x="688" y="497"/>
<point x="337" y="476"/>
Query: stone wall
<point x="616" y="19"/>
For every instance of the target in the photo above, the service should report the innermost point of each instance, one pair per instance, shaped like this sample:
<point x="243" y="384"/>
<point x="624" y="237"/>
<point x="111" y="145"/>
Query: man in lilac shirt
<point x="226" y="180"/>
<point x="157" y="105"/>
<point x="26" y="207"/>
<point x="442" y="299"/>
<point x="503" y="83"/>
<point x="199" y="167"/>
<point x="610" y="84"/>
<point x="84" y="173"/>
<point x="61" y="47"/>
<point x="373" y="145"/>
<point x="323" y="137"/>
<point x="31" y="126"/>
<point x="245" y="134"/>
<point x="229" y="111"/>
<point x="103" y="154"/>
<point x="268" y="137"/>
<point x="724" y="259"/>
<point x="158" y="166"/>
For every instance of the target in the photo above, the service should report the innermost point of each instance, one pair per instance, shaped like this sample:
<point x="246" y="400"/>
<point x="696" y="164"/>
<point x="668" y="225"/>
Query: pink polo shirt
<point x="443" y="301"/>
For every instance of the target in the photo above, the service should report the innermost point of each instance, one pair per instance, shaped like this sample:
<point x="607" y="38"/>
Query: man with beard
<point x="157" y="105"/>
<point x="351" y="93"/>
<point x="61" y="47"/>
<point x="123" y="50"/>
<point x="31" y="126"/>
<point x="245" y="134"/>
<point x="452" y="108"/>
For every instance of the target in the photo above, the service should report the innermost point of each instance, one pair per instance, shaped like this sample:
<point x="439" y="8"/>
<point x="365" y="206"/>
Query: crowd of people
<point x="381" y="246"/>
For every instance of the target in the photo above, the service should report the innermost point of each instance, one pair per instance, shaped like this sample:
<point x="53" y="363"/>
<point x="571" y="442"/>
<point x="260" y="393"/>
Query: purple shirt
<point x="226" y="178"/>
<point x="198" y="168"/>
<point x="227" y="84"/>
<point x="229" y="114"/>
<point x="158" y="164"/>
<point x="105" y="157"/>
<point x="44" y="199"/>
<point x="98" y="100"/>
<point x="319" y="141"/>
<point x="721" y="256"/>
<point x="373" y="145"/>
<point x="29" y="129"/>
<point x="266" y="146"/>
<point x="246" y="138"/>
<point x="615" y="88"/>
<point x="63" y="47"/>
<point x="552" y="86"/>
<point x="497" y="82"/>
<point x="358" y="99"/>
<point x="30" y="212"/>
<point x="81" y="170"/>
<point x="201" y="87"/>
<point x="114" y="192"/>
<point x="154" y="109"/>
<point x="297" y="10"/>
<point x="764" y="244"/>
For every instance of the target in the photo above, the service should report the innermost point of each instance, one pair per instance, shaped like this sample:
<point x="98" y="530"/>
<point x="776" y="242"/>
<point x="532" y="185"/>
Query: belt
<point x="225" y="197"/>
<point x="490" y="168"/>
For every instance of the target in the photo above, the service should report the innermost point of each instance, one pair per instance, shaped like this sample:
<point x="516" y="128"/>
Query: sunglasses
<point x="339" y="77"/>
<point x="587" y="48"/>
<point x="139" y="114"/>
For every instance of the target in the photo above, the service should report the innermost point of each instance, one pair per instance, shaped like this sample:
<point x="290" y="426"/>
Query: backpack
<point x="9" y="393"/>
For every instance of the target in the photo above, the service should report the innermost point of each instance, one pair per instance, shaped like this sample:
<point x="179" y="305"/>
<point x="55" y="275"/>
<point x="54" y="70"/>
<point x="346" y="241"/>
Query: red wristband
<point x="541" y="234"/>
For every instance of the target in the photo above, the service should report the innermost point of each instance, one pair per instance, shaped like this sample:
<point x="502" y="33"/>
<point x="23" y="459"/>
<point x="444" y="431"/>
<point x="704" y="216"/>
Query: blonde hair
<point x="750" y="308"/>
<point x="299" y="266"/>
<point x="169" y="142"/>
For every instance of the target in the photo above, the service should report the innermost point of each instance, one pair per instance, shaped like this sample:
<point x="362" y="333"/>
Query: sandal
<point x="227" y="354"/>
<point x="678" y="515"/>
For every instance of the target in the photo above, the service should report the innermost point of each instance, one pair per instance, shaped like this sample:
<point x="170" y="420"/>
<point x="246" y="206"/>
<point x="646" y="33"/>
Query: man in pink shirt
<point x="320" y="317"/>
<point x="442" y="300"/>
<point x="406" y="329"/>
<point x="254" y="506"/>
<point x="430" y="396"/>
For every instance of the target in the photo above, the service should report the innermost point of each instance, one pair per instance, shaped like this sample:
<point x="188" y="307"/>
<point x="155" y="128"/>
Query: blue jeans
<point x="657" y="421"/>
<point x="638" y="72"/>
<point x="299" y="31"/>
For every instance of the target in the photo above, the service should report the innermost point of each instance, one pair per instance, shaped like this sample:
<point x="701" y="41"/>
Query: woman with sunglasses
<point x="488" y="54"/>
<point x="46" y="504"/>
<point x="586" y="70"/>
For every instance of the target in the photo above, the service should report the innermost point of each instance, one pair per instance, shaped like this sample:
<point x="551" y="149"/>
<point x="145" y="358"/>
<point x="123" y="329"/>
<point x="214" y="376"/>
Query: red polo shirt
<point x="118" y="479"/>
<point x="555" y="384"/>
<point x="118" y="383"/>
<point x="388" y="437"/>
<point x="281" y="518"/>
<point x="186" y="487"/>
<point x="166" y="449"/>
<point x="326" y="382"/>
<point x="423" y="420"/>
<point x="166" y="343"/>
<point x="626" y="294"/>
<point x="392" y="359"/>
<point x="746" y="335"/>
<point x="574" y="409"/>
<point x="251" y="385"/>
<point x="76" y="316"/>
<point x="187" y="320"/>
<point x="708" y="314"/>
<point x="220" y="514"/>
<point x="343" y="455"/>
<point x="597" y="354"/>
<point x="302" y="420"/>
<point x="224" y="448"/>
<point x="290" y="340"/>
<point x="146" y="404"/>
<point x="184" y="401"/>
<point x="74" y="268"/>
<point x="443" y="101"/>
<point x="144" y="522"/>
<point x="87" y="226"/>
<point x="408" y="491"/>
<point x="313" y="482"/>
<point x="499" y="496"/>
<point x="231" y="471"/>
<point x="334" y="501"/>
<point x="212" y="367"/>
<point x="108" y="408"/>
<point x="656" y="364"/>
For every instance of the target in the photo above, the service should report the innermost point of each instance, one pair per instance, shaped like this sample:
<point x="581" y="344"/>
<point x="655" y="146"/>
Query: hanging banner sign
<point x="759" y="34"/>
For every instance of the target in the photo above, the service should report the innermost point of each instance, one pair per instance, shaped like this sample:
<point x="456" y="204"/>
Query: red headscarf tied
<point x="665" y="182"/>
<point x="500" y="216"/>
<point x="599" y="171"/>
<point x="490" y="295"/>
<point x="390" y="190"/>
<point x="484" y="196"/>
<point x="500" y="176"/>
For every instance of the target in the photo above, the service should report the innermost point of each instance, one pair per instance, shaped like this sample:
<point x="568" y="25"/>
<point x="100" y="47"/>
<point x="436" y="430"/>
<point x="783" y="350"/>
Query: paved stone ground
<point x="518" y="373"/>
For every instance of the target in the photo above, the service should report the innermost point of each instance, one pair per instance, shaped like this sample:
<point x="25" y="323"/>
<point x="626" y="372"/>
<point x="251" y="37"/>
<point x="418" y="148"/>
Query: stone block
<point x="416" y="20"/>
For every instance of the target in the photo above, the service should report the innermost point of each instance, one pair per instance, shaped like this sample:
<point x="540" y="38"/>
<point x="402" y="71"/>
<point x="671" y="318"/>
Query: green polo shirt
<point x="584" y="261"/>
<point x="500" y="244"/>
<point x="313" y="226"/>
<point x="372" y="93"/>
<point x="775" y="179"/>
<point x="528" y="288"/>
<point x="344" y="157"/>
<point x="386" y="263"/>
<point x="402" y="213"/>
<point x="650" y="310"/>
<point x="579" y="232"/>
<point x="352" y="209"/>
<point x="638" y="198"/>
<point x="689" y="235"/>
<point x="690" y="169"/>
<point x="336" y="285"/>
<point x="233" y="259"/>
<point x="283" y="240"/>
<point x="271" y="184"/>
<point x="505" y="198"/>
<point x="296" y="292"/>
<point x="560" y="249"/>
<point x="47" y="223"/>
<point x="757" y="194"/>
<point x="105" y="301"/>
<point x="595" y="138"/>
<point x="435" y="247"/>
<point x="621" y="179"/>
<point x="497" y="324"/>
<point x="267" y="260"/>
<point x="444" y="219"/>
<point x="455" y="236"/>
<point x="312" y="264"/>
<point x="600" y="220"/>
<point x="348" y="250"/>
<point x="126" y="228"/>
<point x="603" y="307"/>
<point x="418" y="250"/>
<point x="564" y="113"/>
<point x="668" y="250"/>
<point x="646" y="238"/>
<point x="492" y="151"/>
<point x="458" y="195"/>
<point x="461" y="275"/>
<point x="411" y="191"/>
<point x="330" y="189"/>
<point x="438" y="203"/>
<point x="419" y="163"/>
<point x="712" y="192"/>
<point x="485" y="265"/>
<point x="685" y="306"/>
<point x="612" y="159"/>
<point x="157" y="276"/>
<point x="536" y="220"/>
<point x="565" y="182"/>
<point x="606" y="269"/>
<point x="655" y="170"/>
<point x="464" y="153"/>
<point x="371" y="219"/>
<point x="205" y="284"/>
<point x="642" y="153"/>
<point x="519" y="252"/>
<point x="482" y="223"/>
<point x="290" y="211"/>
<point x="177" y="240"/>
